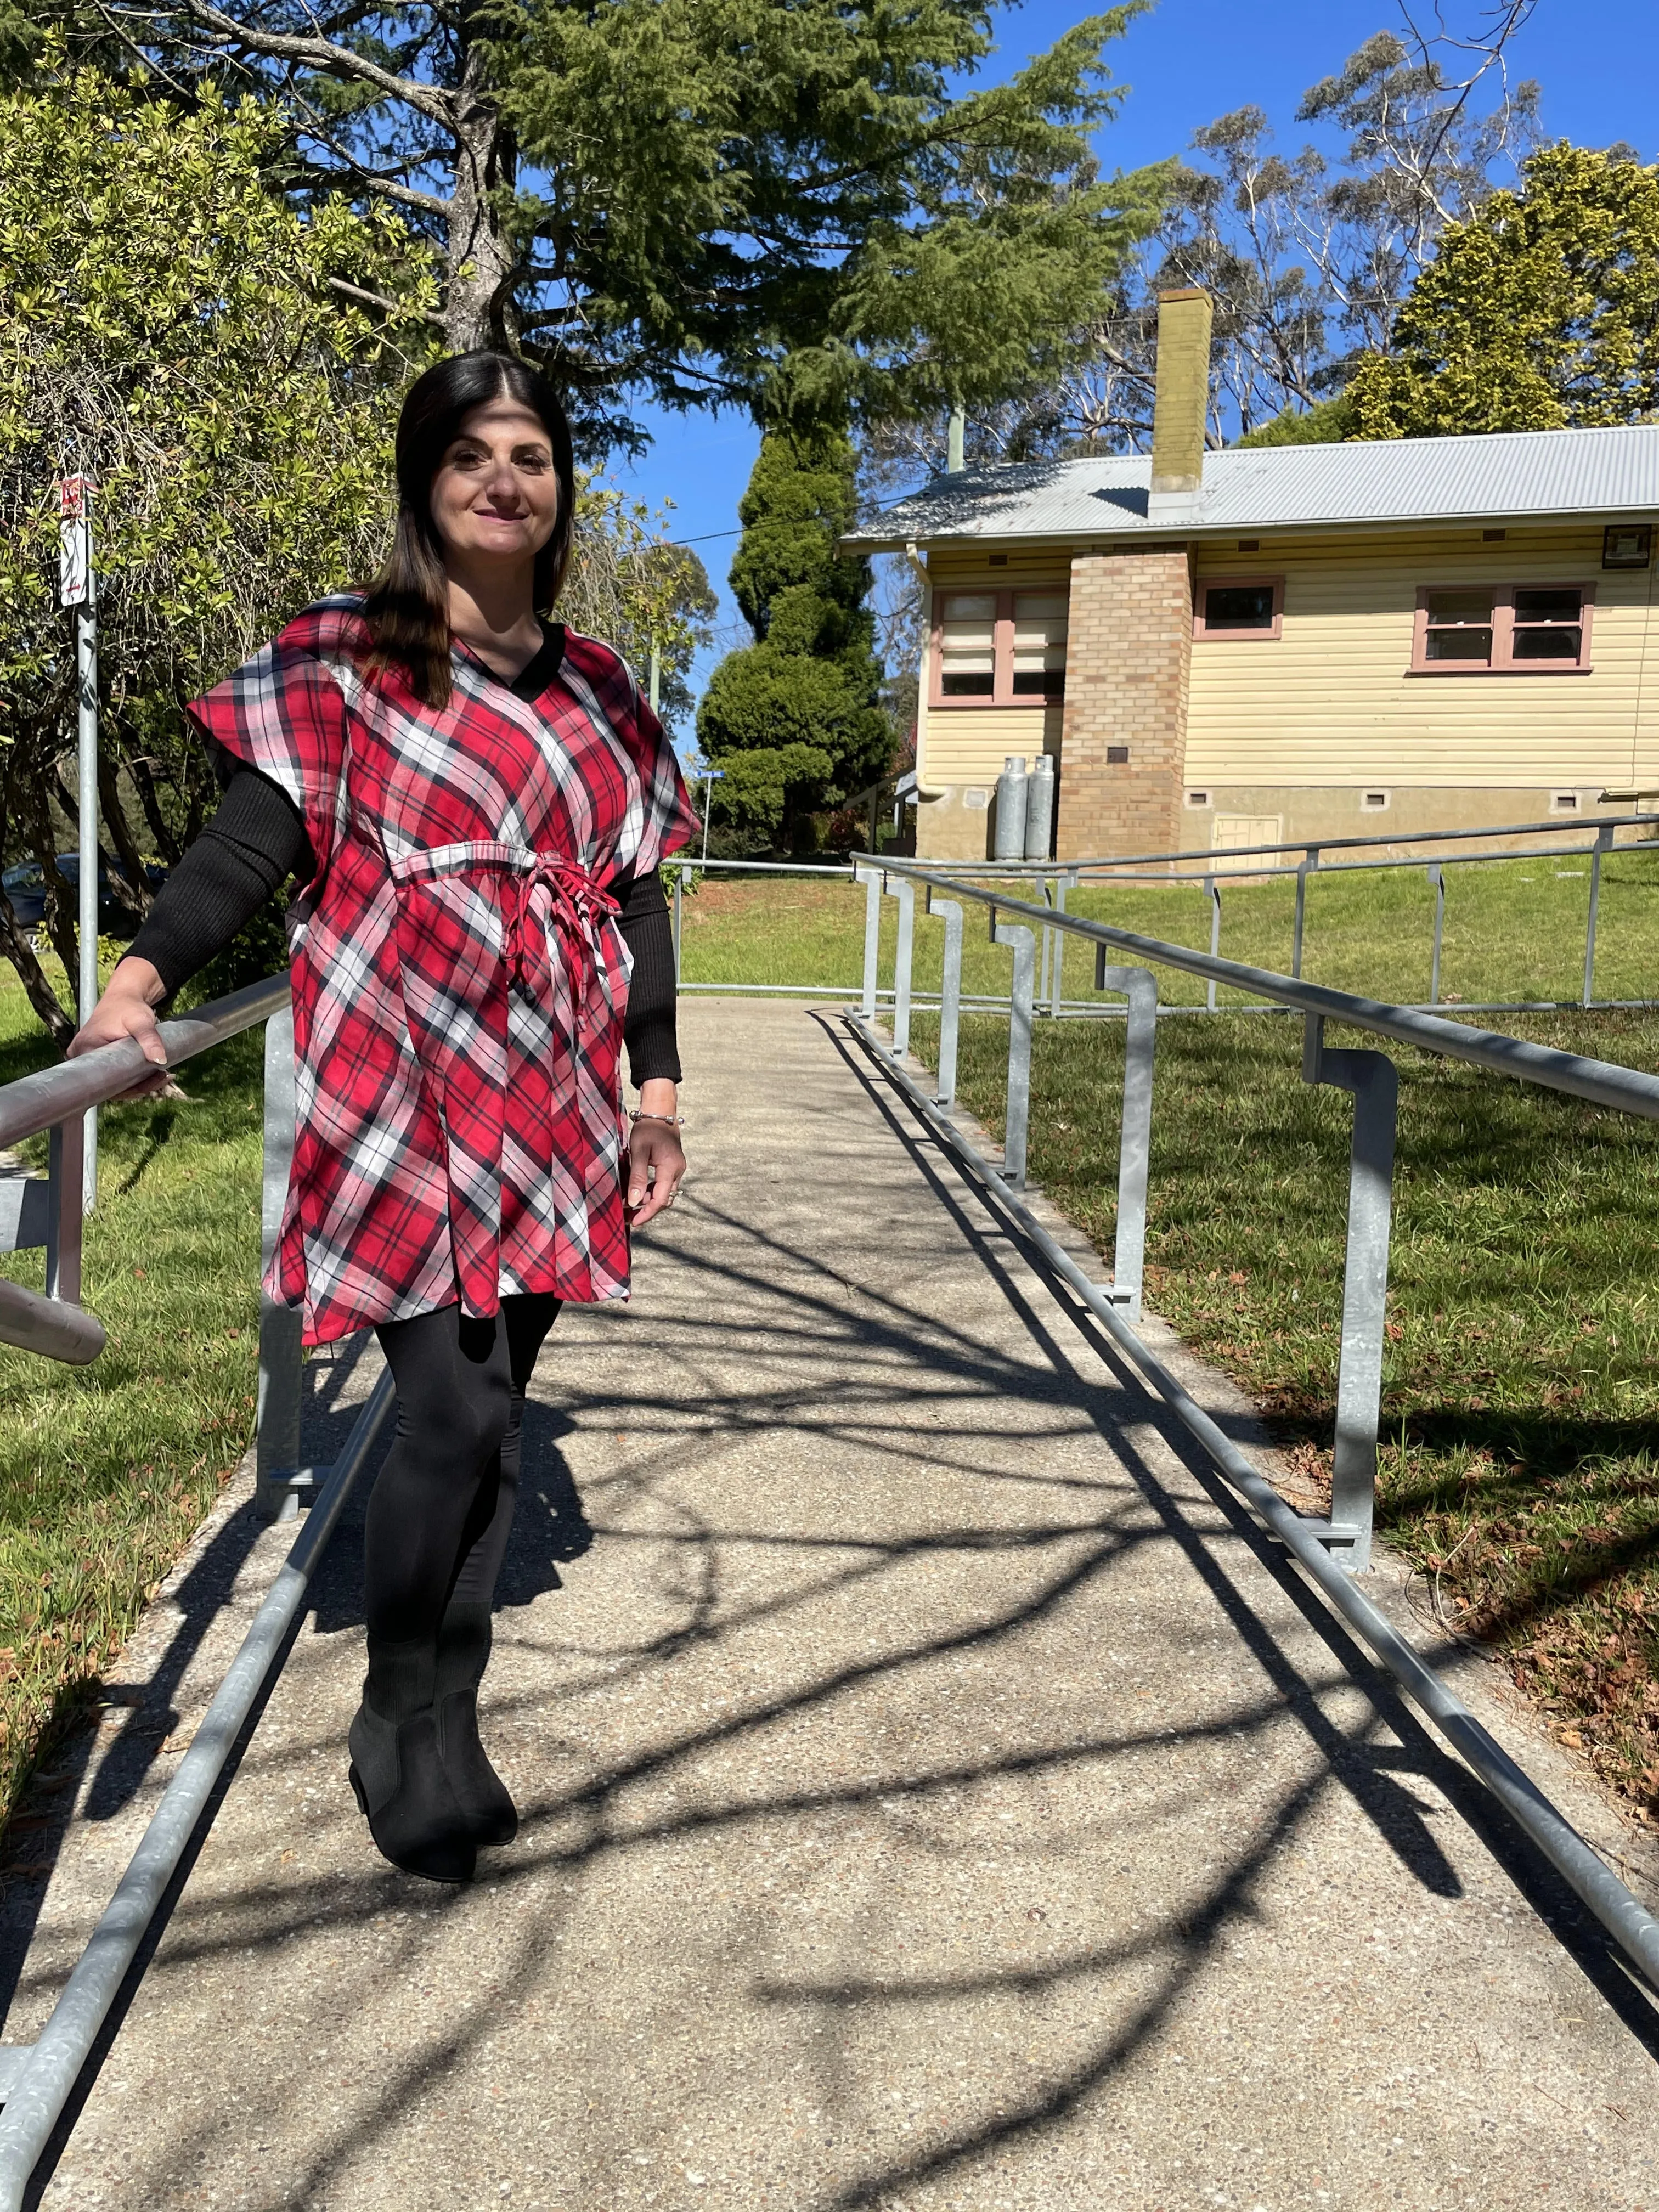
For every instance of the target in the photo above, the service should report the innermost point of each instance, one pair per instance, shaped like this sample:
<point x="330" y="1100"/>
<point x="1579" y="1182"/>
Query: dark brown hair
<point x="407" y="605"/>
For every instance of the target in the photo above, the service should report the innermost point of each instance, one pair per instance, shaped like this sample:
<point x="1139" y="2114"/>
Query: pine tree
<point x="792" y="719"/>
<point x="678" y="197"/>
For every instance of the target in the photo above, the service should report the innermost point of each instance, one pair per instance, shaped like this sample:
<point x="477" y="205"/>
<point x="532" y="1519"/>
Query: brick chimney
<point x="1180" y="404"/>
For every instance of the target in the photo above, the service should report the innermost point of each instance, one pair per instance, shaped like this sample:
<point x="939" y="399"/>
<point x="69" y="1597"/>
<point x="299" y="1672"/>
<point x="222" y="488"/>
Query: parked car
<point x="25" y="884"/>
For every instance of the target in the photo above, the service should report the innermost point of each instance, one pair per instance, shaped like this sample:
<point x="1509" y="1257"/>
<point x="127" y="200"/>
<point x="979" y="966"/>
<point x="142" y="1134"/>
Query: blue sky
<point x="1185" y="63"/>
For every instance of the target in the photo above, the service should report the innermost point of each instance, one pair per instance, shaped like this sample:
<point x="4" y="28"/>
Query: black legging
<point x="442" y="1508"/>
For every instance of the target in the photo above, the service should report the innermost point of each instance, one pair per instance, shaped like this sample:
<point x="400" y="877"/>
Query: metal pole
<point x="905" y="892"/>
<point x="1058" y="956"/>
<point x="679" y="913"/>
<point x="1304" y="867"/>
<point x="871" y="878"/>
<point x="49" y="2069"/>
<point x="278" y="1474"/>
<point x="950" y="997"/>
<point x="1375" y="1082"/>
<point x="86" y="669"/>
<point x="1016" y="1121"/>
<point x="65" y="1183"/>
<point x="1603" y="839"/>
<point x="1213" y="890"/>
<point x="1134" y="1144"/>
<point x="1436" y="875"/>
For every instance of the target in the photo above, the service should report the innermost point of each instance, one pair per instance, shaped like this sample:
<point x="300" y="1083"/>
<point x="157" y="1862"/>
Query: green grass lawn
<point x="105" y="1471"/>
<point x="1520" y="1463"/>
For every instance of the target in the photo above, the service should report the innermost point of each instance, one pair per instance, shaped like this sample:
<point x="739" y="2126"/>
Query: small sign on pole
<point x="74" y="543"/>
<point x="77" y="590"/>
<point x="711" y="776"/>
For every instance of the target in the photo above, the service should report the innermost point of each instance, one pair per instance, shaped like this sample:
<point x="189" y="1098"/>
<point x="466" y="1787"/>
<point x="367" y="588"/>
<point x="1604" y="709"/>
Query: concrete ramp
<point x="936" y="1795"/>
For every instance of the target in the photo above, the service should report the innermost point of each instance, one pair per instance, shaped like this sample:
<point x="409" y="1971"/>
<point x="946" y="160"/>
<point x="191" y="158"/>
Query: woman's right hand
<point x="127" y="1009"/>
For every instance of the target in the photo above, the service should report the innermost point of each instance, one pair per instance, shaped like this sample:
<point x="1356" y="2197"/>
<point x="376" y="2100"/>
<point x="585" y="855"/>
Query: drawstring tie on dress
<point x="555" y="895"/>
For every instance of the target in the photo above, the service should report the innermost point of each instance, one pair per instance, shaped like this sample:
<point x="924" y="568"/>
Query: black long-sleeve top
<point x="256" y="840"/>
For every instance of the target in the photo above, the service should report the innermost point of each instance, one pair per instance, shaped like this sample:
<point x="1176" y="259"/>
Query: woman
<point x="474" y="802"/>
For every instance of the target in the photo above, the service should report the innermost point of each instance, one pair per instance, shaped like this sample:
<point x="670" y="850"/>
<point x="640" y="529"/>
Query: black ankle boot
<point x="463" y="1644"/>
<point x="397" y="1772"/>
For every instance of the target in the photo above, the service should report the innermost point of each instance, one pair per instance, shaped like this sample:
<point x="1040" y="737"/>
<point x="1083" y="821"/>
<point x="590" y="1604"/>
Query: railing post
<point x="1135" y="1147"/>
<point x="1058" y="961"/>
<point x="679" y="920"/>
<point x="1603" y="840"/>
<point x="1016" y="1121"/>
<point x="901" y="889"/>
<point x="278" y="1479"/>
<point x="1373" y="1080"/>
<point x="950" y="997"/>
<point x="1308" y="866"/>
<point x="1437" y="877"/>
<point x="1213" y="891"/>
<point x="66" y="1178"/>
<point x="871" y="878"/>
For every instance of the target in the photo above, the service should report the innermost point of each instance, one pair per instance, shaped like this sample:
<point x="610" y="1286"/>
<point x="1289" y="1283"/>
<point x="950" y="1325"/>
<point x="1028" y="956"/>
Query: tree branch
<point x="324" y="54"/>
<point x="378" y="299"/>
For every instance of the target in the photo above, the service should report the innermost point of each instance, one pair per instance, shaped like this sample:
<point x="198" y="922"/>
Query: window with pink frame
<point x="1000" y="648"/>
<point x="1238" y="607"/>
<point x="1502" y="629"/>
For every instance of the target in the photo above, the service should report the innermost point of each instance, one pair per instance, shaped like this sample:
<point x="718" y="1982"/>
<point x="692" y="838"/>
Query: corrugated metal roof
<point x="1522" y="473"/>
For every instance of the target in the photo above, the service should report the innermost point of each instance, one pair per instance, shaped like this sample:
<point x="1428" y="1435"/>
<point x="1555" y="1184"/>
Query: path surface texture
<point x="935" y="1793"/>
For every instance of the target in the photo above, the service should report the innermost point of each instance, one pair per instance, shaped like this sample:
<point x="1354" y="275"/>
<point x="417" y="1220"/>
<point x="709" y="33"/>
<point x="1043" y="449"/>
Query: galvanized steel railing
<point x="37" y="2080"/>
<point x="1055" y="880"/>
<point x="1333" y="1551"/>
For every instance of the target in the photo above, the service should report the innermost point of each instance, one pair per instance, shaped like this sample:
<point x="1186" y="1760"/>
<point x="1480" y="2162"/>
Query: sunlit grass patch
<point x="1519" y="1459"/>
<point x="106" y="1471"/>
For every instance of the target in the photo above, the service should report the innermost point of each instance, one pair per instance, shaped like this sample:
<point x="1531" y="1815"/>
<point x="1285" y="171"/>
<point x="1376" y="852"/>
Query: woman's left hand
<point x="656" y="1164"/>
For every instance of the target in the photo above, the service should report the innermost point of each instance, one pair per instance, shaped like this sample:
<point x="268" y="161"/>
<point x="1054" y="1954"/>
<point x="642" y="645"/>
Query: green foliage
<point x="713" y="200"/>
<point x="173" y="330"/>
<point x="759" y="790"/>
<point x="1327" y="422"/>
<point x="1541" y="312"/>
<point x="793" y="718"/>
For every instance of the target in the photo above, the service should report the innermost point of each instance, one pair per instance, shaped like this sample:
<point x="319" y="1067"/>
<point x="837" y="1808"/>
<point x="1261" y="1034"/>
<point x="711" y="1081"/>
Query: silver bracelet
<point x="674" y="1121"/>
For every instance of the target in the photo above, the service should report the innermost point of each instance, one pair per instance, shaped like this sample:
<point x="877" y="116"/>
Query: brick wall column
<point x="1123" y="742"/>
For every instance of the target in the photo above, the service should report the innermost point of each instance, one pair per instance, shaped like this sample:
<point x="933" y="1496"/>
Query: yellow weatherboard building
<point x="1285" y="642"/>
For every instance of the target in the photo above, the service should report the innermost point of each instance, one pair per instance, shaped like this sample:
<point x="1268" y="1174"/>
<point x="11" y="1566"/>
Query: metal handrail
<point x="1605" y="1083"/>
<point x="35" y="1102"/>
<point x="58" y="1099"/>
<point x="1332" y="1551"/>
<point x="1335" y="868"/>
<point x="1621" y="1913"/>
<point x="37" y="2080"/>
<point x="1562" y="827"/>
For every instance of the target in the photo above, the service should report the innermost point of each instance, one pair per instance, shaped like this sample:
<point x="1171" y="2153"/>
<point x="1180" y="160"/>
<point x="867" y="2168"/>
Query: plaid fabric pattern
<point x="460" y="981"/>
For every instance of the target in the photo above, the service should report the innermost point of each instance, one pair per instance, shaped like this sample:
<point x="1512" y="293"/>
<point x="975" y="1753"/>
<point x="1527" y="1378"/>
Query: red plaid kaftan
<point x="459" y="980"/>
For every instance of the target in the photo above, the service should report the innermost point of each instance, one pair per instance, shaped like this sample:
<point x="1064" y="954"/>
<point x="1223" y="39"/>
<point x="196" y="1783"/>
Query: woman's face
<point x="495" y="496"/>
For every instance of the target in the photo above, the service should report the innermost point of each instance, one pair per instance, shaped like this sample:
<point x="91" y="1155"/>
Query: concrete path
<point x="935" y="1795"/>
